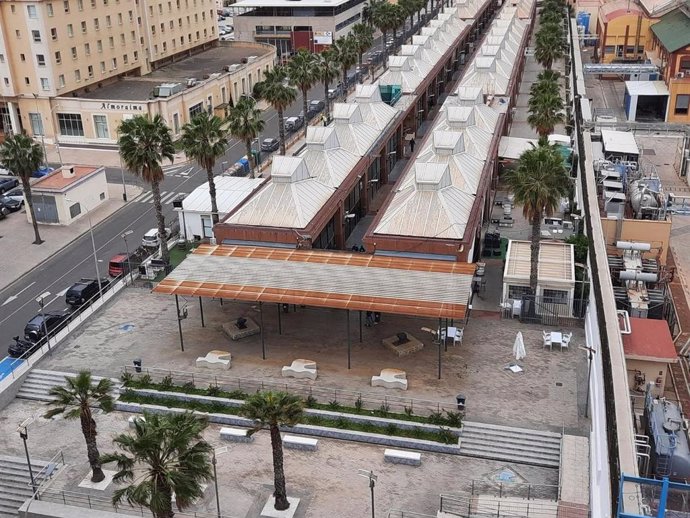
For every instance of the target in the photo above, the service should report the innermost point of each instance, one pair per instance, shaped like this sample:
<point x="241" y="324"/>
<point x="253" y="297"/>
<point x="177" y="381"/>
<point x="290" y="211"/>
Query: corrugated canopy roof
<point x="359" y="282"/>
<point x="673" y="30"/>
<point x="556" y="263"/>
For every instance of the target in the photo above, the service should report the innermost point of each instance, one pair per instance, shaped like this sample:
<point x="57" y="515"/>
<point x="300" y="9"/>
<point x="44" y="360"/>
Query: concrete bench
<point x="300" y="443"/>
<point x="300" y="369"/>
<point x="411" y="458"/>
<point x="134" y="418"/>
<point x="215" y="360"/>
<point x="236" y="435"/>
<point x="390" y="378"/>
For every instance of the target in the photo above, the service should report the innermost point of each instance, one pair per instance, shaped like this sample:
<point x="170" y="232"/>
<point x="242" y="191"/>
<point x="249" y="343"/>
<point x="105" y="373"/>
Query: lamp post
<point x="41" y="303"/>
<point x="23" y="430"/>
<point x="217" y="451"/>
<point x="372" y="483"/>
<point x="124" y="185"/>
<point x="590" y="357"/>
<point x="129" y="263"/>
<point x="93" y="244"/>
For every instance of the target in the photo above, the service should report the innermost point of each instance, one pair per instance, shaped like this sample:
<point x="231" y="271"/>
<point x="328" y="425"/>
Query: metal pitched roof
<point x="673" y="30"/>
<point x="491" y="74"/>
<point x="401" y="72"/>
<point x="327" y="162"/>
<point x="230" y="192"/>
<point x="359" y="282"/>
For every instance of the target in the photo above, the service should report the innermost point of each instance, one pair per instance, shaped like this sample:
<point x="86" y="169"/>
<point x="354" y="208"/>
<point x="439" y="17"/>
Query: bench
<point x="215" y="360"/>
<point x="390" y="378"/>
<point x="236" y="435"/>
<point x="411" y="458"/>
<point x="134" y="418"/>
<point x="300" y="443"/>
<point x="300" y="369"/>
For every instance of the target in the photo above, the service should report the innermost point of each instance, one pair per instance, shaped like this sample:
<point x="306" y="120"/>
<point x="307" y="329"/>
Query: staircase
<point x="38" y="383"/>
<point x="15" y="482"/>
<point x="520" y="445"/>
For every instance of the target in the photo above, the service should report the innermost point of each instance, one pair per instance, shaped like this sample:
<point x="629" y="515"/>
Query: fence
<point x="369" y="401"/>
<point x="397" y="513"/>
<point x="546" y="311"/>
<point x="514" y="490"/>
<point x="483" y="506"/>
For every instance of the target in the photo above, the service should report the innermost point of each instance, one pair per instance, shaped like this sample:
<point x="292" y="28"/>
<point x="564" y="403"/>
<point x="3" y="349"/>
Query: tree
<point x="549" y="44"/>
<point x="538" y="183"/>
<point x="384" y="19"/>
<point x="276" y="90"/>
<point x="302" y="72"/>
<point x="409" y="7"/>
<point x="165" y="455"/>
<point x="144" y="143"/>
<point x="76" y="400"/>
<point x="22" y="156"/>
<point x="272" y="410"/>
<point x="398" y="18"/>
<point x="346" y="51"/>
<point x="545" y="112"/>
<point x="364" y="38"/>
<point x="246" y="124"/>
<point x="204" y="140"/>
<point x="328" y="69"/>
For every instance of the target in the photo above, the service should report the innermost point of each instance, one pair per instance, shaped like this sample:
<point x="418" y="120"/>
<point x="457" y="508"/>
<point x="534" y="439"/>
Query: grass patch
<point x="442" y="436"/>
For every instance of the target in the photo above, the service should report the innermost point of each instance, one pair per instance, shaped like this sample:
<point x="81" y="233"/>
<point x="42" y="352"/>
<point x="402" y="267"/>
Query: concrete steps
<point x="38" y="383"/>
<point x="15" y="482"/>
<point x="510" y="444"/>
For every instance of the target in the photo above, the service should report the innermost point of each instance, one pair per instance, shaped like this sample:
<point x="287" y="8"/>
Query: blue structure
<point x="656" y="487"/>
<point x="7" y="365"/>
<point x="583" y="19"/>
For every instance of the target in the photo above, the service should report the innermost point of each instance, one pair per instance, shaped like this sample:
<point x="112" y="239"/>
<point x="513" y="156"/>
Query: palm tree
<point x="246" y="124"/>
<point x="545" y="112"/>
<point x="302" y="72"/>
<point x="204" y="140"/>
<point x="75" y="401"/>
<point x="328" y="69"/>
<point x="409" y="7"/>
<point x="272" y="410"/>
<point x="21" y="155"/>
<point x="384" y="18"/>
<point x="165" y="455"/>
<point x="144" y="143"/>
<point x="538" y="183"/>
<point x="346" y="51"/>
<point x="546" y="83"/>
<point x="549" y="45"/>
<point x="398" y="18"/>
<point x="364" y="38"/>
<point x="276" y="90"/>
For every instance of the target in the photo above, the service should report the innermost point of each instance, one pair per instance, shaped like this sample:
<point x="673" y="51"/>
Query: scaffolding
<point x="620" y="68"/>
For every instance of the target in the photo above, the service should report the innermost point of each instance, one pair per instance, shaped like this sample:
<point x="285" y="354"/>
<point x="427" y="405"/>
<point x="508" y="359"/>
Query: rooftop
<point x="556" y="262"/>
<point x="612" y="10"/>
<point x="57" y="181"/>
<point x="619" y="142"/>
<point x="230" y="192"/>
<point x="650" y="339"/>
<point x="673" y="30"/>
<point x="646" y="88"/>
<point x="197" y="66"/>
<point x="289" y="3"/>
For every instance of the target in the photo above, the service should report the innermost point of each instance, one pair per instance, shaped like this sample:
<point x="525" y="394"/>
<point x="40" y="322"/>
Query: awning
<point x="353" y="281"/>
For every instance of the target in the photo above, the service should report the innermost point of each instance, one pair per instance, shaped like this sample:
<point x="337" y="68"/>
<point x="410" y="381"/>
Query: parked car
<point x="317" y="105"/>
<point x="85" y="291"/>
<point x="16" y="194"/>
<point x="293" y="123"/>
<point x="270" y="144"/>
<point x="119" y="264"/>
<point x="227" y="37"/>
<point x="3" y="213"/>
<point x="7" y="183"/>
<point x="42" y="171"/>
<point x="21" y="348"/>
<point x="52" y="321"/>
<point x="150" y="239"/>
<point x="11" y="204"/>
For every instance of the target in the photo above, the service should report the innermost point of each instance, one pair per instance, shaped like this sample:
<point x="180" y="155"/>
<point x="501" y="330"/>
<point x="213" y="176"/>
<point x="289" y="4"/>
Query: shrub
<point x="145" y="381"/>
<point x="447" y="436"/>
<point x="333" y="405"/>
<point x="236" y="394"/>
<point x="436" y="418"/>
<point x="167" y="383"/>
<point x="408" y="411"/>
<point x="359" y="403"/>
<point x="383" y="410"/>
<point x="126" y="377"/>
<point x="310" y="402"/>
<point x="189" y="386"/>
<point x="454" y="419"/>
<point x="213" y="390"/>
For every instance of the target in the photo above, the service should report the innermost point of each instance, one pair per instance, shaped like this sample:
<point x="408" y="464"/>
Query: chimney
<point x="68" y="171"/>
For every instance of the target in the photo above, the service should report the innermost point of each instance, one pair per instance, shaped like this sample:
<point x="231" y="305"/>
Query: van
<point x="293" y="123"/>
<point x="150" y="239"/>
<point x="119" y="265"/>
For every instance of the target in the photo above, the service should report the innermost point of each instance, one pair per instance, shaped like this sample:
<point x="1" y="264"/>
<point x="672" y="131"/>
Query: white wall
<point x="191" y="223"/>
<point x="87" y="193"/>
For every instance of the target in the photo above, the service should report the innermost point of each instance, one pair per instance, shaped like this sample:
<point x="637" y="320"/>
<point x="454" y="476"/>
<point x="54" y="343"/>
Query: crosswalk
<point x="166" y="197"/>
<point x="178" y="170"/>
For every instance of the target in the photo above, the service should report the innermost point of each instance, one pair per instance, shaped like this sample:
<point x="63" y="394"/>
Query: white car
<point x="16" y="194"/>
<point x="227" y="37"/>
<point x="150" y="239"/>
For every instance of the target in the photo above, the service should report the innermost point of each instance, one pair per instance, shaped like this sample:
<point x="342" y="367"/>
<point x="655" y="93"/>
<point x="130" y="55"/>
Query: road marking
<point x="64" y="292"/>
<point x="168" y="198"/>
<point x="15" y="296"/>
<point x="53" y="300"/>
<point x="146" y="198"/>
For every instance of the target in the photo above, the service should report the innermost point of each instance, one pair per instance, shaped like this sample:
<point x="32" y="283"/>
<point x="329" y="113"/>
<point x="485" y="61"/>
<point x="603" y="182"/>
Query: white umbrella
<point x="519" y="347"/>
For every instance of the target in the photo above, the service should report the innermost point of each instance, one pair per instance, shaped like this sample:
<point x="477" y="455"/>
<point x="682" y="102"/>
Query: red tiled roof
<point x="649" y="340"/>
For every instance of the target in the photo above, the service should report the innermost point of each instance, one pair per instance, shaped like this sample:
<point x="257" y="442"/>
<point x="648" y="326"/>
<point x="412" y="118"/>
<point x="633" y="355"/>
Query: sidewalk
<point x="17" y="235"/>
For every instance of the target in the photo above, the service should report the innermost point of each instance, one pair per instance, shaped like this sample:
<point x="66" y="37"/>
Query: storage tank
<point x="641" y="197"/>
<point x="668" y="438"/>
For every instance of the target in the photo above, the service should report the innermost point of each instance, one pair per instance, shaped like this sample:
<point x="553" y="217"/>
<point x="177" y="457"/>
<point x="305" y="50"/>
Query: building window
<point x="684" y="65"/>
<point x="36" y="124"/>
<point x="36" y="35"/>
<point x="27" y="81"/>
<point x="18" y="33"/>
<point x="41" y="60"/>
<point x="87" y="49"/>
<point x="83" y="27"/>
<point x="136" y="55"/>
<point x="195" y="110"/>
<point x="122" y="40"/>
<point x="516" y="292"/>
<point x="70" y="124"/>
<point x="58" y="57"/>
<point x="77" y="75"/>
<point x="22" y="57"/>
<point x="80" y="5"/>
<point x="2" y="58"/>
<point x="70" y="30"/>
<point x="114" y="63"/>
<point x="107" y="21"/>
<point x="555" y="296"/>
<point x="49" y="9"/>
<point x="119" y="18"/>
<point x="90" y="70"/>
<point x="74" y="210"/>
<point x="131" y="16"/>
<point x="682" y="103"/>
<point x="100" y="122"/>
<point x="96" y="24"/>
<point x="66" y="6"/>
<point x="61" y="81"/>
<point x="31" y="11"/>
<point x="7" y="81"/>
<point x="45" y="85"/>
<point x="125" y="59"/>
<point x="165" y="47"/>
<point x="111" y="42"/>
<point x="102" y="67"/>
<point x="207" y="226"/>
<point x="53" y="33"/>
<point x="99" y="46"/>
<point x="74" y="53"/>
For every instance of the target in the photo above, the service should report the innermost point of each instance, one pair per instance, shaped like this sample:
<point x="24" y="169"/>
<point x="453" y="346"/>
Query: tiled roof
<point x="673" y="30"/>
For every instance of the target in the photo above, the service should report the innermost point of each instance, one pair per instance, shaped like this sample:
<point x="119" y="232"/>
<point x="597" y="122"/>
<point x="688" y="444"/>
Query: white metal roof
<point x="619" y="142"/>
<point x="556" y="263"/>
<point x="230" y="192"/>
<point x="374" y="111"/>
<point x="421" y="66"/>
<point x="491" y="74"/>
<point x="467" y="9"/>
<point x="646" y="88"/>
<point x="432" y="52"/>
<point x="459" y="117"/>
<point x="512" y="147"/>
<point x="288" y="3"/>
<point x="326" y="161"/>
<point x="401" y="71"/>
<point x="352" y="132"/>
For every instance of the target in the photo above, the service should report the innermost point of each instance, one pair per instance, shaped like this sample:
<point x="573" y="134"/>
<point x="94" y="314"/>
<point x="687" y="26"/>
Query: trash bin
<point x="137" y="365"/>
<point x="460" y="399"/>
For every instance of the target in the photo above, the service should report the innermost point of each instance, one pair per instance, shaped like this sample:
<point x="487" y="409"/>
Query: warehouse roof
<point x="673" y="30"/>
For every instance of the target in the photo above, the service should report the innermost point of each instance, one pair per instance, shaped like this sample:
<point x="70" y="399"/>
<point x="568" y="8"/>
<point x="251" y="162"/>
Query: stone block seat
<point x="300" y="443"/>
<point x="300" y="369"/>
<point x="411" y="458"/>
<point x="241" y="327"/>
<point x="215" y="360"/>
<point x="390" y="378"/>
<point x="235" y="434"/>
<point x="402" y="344"/>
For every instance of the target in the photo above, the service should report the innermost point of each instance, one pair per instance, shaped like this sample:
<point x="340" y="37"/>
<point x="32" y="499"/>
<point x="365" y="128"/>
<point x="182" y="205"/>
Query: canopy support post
<point x="439" y="348"/>
<point x="360" y="327"/>
<point x="349" y="342"/>
<point x="201" y="309"/>
<point x="261" y="317"/>
<point x="280" y="321"/>
<point x="179" y="322"/>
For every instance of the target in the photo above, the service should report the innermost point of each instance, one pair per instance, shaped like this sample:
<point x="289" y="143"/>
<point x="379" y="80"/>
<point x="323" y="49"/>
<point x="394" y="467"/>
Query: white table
<point x="451" y="332"/>
<point x="556" y="338"/>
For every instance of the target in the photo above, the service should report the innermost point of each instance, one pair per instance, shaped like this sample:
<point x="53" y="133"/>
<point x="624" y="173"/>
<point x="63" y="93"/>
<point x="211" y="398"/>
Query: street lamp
<point x="217" y="451"/>
<point x="41" y="303"/>
<point x="93" y="244"/>
<point x="372" y="482"/>
<point x="129" y="263"/>
<point x="124" y="185"/>
<point x="23" y="430"/>
<point x="590" y="356"/>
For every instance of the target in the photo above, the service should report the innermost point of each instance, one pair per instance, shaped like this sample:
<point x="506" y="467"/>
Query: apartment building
<point x="52" y="49"/>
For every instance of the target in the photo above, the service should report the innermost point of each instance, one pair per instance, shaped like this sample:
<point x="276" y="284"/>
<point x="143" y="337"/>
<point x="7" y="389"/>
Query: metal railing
<point x="398" y="513"/>
<point x="324" y="395"/>
<point x="478" y="506"/>
<point x="49" y="470"/>
<point x="515" y="490"/>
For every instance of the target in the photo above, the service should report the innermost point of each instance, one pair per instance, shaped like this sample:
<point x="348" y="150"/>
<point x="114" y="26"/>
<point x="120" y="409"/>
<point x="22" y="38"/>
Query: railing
<point x="478" y="506"/>
<point x="516" y="490"/>
<point x="48" y="471"/>
<point x="397" y="513"/>
<point x="369" y="401"/>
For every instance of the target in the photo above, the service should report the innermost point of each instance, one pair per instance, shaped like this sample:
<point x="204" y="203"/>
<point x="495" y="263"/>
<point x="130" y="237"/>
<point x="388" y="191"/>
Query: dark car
<point x="7" y="183"/>
<point x="12" y="205"/>
<point x="270" y="144"/>
<point x="52" y="321"/>
<point x="85" y="292"/>
<point x="21" y="348"/>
